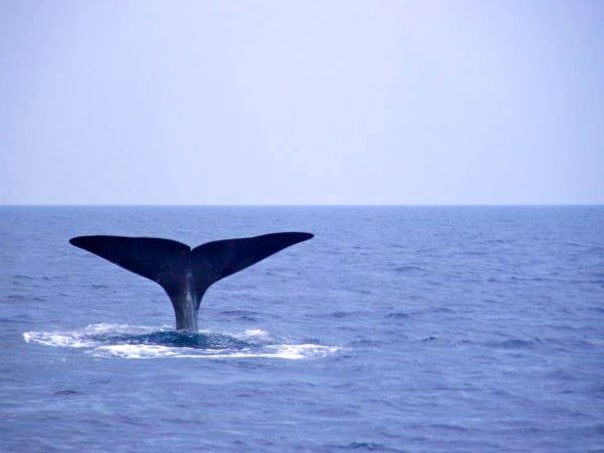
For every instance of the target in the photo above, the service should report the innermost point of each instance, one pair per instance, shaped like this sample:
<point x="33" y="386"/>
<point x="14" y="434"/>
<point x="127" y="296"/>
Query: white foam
<point x="103" y="328"/>
<point x="253" y="333"/>
<point x="83" y="338"/>
<point x="298" y="351"/>
<point x="134" y="351"/>
<point x="58" y="339"/>
<point x="285" y="351"/>
<point x="98" y="339"/>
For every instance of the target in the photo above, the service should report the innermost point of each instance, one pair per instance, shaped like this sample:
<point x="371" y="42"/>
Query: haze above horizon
<point x="301" y="103"/>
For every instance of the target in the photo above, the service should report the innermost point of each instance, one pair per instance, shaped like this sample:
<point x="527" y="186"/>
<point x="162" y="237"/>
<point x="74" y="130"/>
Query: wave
<point x="141" y="342"/>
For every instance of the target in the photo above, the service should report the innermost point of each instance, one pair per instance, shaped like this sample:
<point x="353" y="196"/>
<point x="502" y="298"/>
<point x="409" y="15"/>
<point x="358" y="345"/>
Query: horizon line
<point x="300" y="205"/>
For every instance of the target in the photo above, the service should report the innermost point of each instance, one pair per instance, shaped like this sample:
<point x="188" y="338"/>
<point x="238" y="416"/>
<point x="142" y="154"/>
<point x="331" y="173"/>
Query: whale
<point x="183" y="272"/>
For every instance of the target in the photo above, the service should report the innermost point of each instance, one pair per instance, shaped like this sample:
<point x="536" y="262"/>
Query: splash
<point x="138" y="342"/>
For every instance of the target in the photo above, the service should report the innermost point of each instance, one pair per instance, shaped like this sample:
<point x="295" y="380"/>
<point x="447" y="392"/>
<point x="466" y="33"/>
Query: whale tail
<point x="185" y="273"/>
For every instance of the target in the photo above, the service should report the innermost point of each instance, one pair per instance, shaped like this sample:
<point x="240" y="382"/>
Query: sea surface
<point x="396" y="329"/>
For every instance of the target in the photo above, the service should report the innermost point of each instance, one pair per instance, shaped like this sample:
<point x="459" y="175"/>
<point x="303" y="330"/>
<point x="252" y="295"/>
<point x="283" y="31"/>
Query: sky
<point x="308" y="102"/>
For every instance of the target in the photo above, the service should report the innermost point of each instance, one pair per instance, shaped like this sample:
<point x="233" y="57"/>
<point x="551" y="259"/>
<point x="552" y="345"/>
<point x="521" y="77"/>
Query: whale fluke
<point x="186" y="274"/>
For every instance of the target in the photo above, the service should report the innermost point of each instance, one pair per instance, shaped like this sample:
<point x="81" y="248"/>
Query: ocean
<point x="395" y="329"/>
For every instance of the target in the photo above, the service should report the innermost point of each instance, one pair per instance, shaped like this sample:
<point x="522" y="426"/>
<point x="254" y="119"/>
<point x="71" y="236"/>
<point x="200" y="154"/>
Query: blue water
<point x="419" y="329"/>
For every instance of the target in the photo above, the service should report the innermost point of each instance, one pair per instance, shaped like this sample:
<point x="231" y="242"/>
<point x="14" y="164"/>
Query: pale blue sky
<point x="310" y="102"/>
